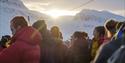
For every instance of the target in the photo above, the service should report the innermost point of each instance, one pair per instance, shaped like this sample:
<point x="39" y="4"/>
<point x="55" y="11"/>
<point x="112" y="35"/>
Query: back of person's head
<point x="55" y="32"/>
<point x="79" y="35"/>
<point x="78" y="39"/>
<point x="55" y="28"/>
<point x="119" y="24"/>
<point x="19" y="21"/>
<point x="4" y="40"/>
<point x="85" y="35"/>
<point x="40" y="25"/>
<point x="110" y="26"/>
<point x="121" y="32"/>
<point x="123" y="36"/>
<point x="99" y="31"/>
<point x="124" y="26"/>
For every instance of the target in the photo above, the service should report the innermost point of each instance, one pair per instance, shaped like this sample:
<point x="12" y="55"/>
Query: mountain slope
<point x="11" y="8"/>
<point x="87" y="20"/>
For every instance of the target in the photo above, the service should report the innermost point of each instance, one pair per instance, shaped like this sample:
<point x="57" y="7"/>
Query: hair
<point x="110" y="26"/>
<point x="119" y="25"/>
<point x="55" y="28"/>
<point x="100" y="30"/>
<point x="55" y="31"/>
<point x="19" y="21"/>
<point x="121" y="32"/>
<point x="40" y="25"/>
<point x="85" y="34"/>
<point x="79" y="34"/>
<point x="124" y="27"/>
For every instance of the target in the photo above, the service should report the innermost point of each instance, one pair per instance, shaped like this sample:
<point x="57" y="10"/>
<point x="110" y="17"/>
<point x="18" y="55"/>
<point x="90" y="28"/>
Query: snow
<point x="9" y="9"/>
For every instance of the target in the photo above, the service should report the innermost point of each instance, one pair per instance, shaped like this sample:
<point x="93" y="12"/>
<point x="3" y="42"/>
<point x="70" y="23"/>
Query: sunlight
<point x="58" y="13"/>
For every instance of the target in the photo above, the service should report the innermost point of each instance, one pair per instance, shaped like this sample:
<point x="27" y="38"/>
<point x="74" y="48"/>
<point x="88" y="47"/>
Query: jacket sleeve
<point x="102" y="55"/>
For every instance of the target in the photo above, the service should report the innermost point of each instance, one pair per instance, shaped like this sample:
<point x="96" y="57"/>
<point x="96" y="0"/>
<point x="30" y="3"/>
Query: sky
<point x="72" y="6"/>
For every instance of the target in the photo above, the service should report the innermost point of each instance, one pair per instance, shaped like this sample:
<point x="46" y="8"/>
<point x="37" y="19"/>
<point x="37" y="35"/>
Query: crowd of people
<point x="37" y="44"/>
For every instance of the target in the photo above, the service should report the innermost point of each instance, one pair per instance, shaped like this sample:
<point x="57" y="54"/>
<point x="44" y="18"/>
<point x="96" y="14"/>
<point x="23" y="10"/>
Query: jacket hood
<point x="28" y="35"/>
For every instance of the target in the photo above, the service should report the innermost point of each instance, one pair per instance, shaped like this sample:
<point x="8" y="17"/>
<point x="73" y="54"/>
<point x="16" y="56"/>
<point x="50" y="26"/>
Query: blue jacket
<point x="107" y="50"/>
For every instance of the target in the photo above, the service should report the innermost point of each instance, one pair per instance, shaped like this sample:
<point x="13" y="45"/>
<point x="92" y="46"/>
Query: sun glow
<point x="58" y="13"/>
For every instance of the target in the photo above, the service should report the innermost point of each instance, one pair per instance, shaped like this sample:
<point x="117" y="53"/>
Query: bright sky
<point x="57" y="8"/>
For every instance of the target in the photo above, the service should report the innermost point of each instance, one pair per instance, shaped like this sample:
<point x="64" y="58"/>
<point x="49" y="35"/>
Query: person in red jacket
<point x="25" y="42"/>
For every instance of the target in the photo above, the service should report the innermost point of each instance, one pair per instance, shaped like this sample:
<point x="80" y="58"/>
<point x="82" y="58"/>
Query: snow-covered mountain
<point x="11" y="8"/>
<point x="87" y="20"/>
<point x="88" y="14"/>
<point x="15" y="4"/>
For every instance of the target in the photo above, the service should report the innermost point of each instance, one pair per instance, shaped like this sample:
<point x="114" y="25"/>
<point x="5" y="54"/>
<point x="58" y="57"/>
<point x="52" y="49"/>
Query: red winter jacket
<point x="24" y="49"/>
